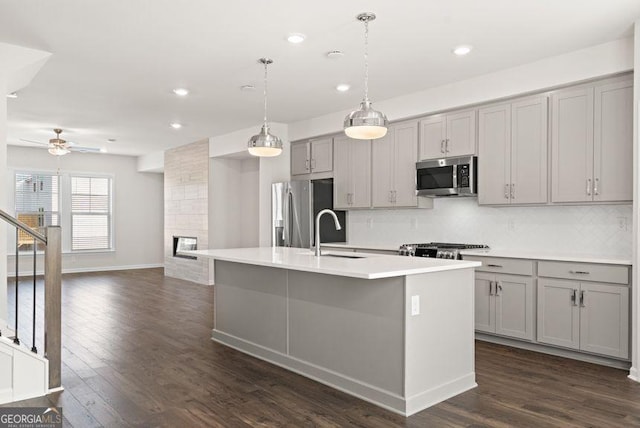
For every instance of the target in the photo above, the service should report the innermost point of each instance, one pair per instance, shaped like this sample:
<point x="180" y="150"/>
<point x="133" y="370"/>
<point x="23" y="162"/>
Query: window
<point x="90" y="213"/>
<point x="37" y="201"/>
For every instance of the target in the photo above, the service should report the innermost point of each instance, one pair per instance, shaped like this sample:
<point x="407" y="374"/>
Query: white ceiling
<point x="115" y="63"/>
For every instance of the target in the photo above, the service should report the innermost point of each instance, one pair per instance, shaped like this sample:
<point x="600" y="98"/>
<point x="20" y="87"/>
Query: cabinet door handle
<point x="306" y="165"/>
<point x="390" y="197"/>
<point x="588" y="187"/>
<point x="582" y="293"/>
<point x="579" y="272"/>
<point x="498" y="288"/>
<point x="442" y="146"/>
<point x="574" y="294"/>
<point x="595" y="187"/>
<point x="513" y="191"/>
<point x="506" y="191"/>
<point x="490" y="288"/>
<point x="395" y="196"/>
<point x="313" y="164"/>
<point x="446" y="146"/>
<point x="494" y="266"/>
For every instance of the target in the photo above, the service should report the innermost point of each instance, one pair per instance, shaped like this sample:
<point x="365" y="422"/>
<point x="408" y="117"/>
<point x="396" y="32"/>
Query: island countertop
<point x="366" y="266"/>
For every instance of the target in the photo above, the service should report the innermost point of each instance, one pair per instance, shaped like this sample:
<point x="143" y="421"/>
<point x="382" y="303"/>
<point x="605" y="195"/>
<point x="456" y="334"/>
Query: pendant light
<point x="365" y="123"/>
<point x="265" y="144"/>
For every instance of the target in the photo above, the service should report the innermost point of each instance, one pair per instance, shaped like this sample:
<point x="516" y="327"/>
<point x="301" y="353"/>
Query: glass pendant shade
<point x="58" y="150"/>
<point x="265" y="144"/>
<point x="365" y="123"/>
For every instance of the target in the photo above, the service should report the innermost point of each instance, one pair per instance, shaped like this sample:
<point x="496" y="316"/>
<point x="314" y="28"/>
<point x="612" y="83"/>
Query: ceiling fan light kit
<point x="366" y="123"/>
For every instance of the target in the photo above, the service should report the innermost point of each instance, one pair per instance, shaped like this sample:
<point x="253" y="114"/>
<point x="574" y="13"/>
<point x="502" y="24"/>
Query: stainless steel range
<point x="440" y="250"/>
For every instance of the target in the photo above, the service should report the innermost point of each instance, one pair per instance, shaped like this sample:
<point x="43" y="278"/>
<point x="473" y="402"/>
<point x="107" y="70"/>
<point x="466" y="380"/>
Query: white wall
<point x="600" y="60"/>
<point x="137" y="208"/>
<point x="573" y="230"/>
<point x="233" y="203"/>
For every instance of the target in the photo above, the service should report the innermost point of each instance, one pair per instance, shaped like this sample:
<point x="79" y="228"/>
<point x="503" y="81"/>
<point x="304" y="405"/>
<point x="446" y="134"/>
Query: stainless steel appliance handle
<point x="455" y="176"/>
<point x="288" y="225"/>
<point x="588" y="187"/>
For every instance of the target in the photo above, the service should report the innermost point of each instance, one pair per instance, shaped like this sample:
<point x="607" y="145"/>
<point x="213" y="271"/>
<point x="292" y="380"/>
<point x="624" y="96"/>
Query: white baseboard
<point x="634" y="374"/>
<point x="92" y="269"/>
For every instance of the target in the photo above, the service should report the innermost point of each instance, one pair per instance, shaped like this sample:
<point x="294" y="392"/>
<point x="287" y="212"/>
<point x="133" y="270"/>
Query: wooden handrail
<point x="23" y="227"/>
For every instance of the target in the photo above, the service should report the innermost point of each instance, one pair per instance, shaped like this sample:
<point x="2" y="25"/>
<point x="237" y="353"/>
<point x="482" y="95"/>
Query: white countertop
<point x="539" y="255"/>
<point x="372" y="266"/>
<point x="386" y="247"/>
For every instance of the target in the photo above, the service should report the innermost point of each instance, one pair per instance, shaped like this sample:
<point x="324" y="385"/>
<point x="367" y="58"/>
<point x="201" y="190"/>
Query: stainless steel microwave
<point x="457" y="176"/>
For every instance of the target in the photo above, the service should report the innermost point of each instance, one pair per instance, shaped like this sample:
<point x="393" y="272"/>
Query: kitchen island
<point x="395" y="331"/>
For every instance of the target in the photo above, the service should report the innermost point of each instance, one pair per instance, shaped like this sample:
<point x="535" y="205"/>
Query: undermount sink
<point x="344" y="256"/>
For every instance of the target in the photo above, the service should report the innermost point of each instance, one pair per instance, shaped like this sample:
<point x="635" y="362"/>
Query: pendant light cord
<point x="366" y="60"/>
<point x="266" y="63"/>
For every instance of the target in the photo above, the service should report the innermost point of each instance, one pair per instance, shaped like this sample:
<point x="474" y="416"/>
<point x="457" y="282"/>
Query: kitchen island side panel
<point x="351" y="326"/>
<point x="440" y="347"/>
<point x="251" y="303"/>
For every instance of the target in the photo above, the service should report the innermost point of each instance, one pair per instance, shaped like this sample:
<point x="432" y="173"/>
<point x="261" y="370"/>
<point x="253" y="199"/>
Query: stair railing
<point x="52" y="293"/>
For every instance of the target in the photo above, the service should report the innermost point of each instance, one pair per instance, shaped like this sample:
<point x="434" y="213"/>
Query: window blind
<point x="90" y="213"/>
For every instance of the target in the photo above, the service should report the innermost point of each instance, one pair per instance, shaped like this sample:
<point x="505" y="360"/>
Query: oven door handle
<point x="455" y="176"/>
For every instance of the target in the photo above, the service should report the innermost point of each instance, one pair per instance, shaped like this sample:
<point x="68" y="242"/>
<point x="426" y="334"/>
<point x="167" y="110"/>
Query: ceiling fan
<point x="59" y="147"/>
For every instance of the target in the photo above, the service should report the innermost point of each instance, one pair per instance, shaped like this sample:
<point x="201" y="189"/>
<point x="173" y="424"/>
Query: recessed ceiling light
<point x="247" y="88"/>
<point x="462" y="50"/>
<point x="111" y="140"/>
<point x="181" y="92"/>
<point x="296" y="38"/>
<point x="343" y="87"/>
<point x="175" y="125"/>
<point x="335" y="54"/>
<point x="12" y="95"/>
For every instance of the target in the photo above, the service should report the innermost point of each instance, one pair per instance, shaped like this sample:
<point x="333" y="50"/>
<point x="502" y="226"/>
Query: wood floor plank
<point x="137" y="352"/>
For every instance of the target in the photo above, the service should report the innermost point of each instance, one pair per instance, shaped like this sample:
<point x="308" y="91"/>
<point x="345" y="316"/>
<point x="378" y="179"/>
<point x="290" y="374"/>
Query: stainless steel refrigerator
<point x="294" y="205"/>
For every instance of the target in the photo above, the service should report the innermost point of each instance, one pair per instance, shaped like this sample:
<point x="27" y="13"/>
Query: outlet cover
<point x="415" y="305"/>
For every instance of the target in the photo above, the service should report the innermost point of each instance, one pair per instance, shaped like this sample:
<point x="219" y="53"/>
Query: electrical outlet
<point x="415" y="305"/>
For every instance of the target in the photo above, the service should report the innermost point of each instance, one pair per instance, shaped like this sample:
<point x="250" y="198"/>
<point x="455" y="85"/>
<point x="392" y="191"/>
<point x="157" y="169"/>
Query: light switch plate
<point x="415" y="305"/>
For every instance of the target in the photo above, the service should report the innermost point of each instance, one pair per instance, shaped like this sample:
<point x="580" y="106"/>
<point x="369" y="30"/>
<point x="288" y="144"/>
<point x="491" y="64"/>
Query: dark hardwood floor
<point x="137" y="352"/>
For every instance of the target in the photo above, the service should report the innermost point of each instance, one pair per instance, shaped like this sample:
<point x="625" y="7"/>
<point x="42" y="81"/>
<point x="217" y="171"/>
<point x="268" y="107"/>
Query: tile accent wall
<point x="186" y="192"/>
<point x="594" y="229"/>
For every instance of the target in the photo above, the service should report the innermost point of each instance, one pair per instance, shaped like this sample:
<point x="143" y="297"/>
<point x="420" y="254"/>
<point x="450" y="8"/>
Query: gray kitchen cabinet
<point x="448" y="135"/>
<point x="591" y="142"/>
<point x="504" y="305"/>
<point x="587" y="315"/>
<point x="352" y="173"/>
<point x="394" y="157"/>
<point x="311" y="157"/>
<point x="512" y="147"/>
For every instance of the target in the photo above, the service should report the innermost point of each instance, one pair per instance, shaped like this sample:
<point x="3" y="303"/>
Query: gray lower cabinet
<point x="504" y="305"/>
<point x="587" y="316"/>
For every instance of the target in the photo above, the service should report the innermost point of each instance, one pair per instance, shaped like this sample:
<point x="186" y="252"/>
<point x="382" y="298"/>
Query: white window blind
<point x="37" y="200"/>
<point x="90" y="213"/>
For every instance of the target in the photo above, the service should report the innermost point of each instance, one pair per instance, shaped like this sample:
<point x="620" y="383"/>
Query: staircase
<point x="27" y="373"/>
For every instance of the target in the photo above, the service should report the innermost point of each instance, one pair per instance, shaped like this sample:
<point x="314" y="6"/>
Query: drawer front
<point x="585" y="272"/>
<point x="502" y="265"/>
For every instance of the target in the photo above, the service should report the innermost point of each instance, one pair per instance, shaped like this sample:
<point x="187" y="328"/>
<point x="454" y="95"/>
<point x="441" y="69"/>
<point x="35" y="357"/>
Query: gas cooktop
<point x="441" y="250"/>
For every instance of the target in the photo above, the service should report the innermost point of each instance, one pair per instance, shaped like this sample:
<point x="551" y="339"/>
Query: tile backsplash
<point x="592" y="229"/>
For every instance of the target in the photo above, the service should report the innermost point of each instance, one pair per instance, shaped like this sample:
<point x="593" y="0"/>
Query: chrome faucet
<point x="338" y="227"/>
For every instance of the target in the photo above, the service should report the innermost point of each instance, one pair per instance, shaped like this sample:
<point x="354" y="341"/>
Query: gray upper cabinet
<point x="394" y="157"/>
<point x="312" y="157"/>
<point x="448" y="135"/>
<point x="613" y="142"/>
<point x="351" y="173"/>
<point x="512" y="159"/>
<point x="591" y="143"/>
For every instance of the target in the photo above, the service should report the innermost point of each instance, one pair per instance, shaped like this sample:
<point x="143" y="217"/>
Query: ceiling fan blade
<point x="84" y="149"/>
<point x="34" y="142"/>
